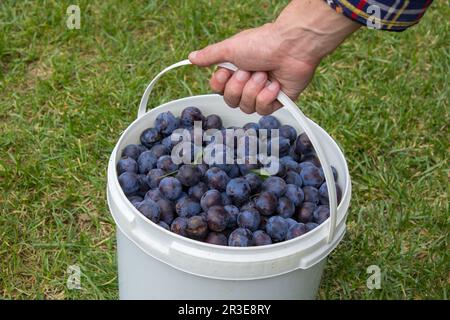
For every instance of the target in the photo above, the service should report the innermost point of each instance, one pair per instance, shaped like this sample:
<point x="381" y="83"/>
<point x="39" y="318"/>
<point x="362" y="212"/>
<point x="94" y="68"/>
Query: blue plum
<point x="189" y="175"/>
<point x="216" y="238"/>
<point x="303" y="165"/>
<point x="290" y="164"/>
<point x="135" y="200"/>
<point x="261" y="238"/>
<point x="166" y="163"/>
<point x="154" y="176"/>
<point x="294" y="154"/>
<point x="159" y="150"/>
<point x="310" y="226"/>
<point x="217" y="218"/>
<point x="323" y="193"/>
<point x="146" y="162"/>
<point x="233" y="213"/>
<point x="251" y="125"/>
<point x="126" y="164"/>
<point x="311" y="194"/>
<point x="143" y="184"/>
<point x="312" y="176"/>
<point x="288" y="132"/>
<point x="254" y="181"/>
<point x="285" y="207"/>
<point x="213" y="121"/>
<point x="132" y="150"/>
<point x="149" y="137"/>
<point x="249" y="219"/>
<point x="167" y="210"/>
<point x="321" y="214"/>
<point x="198" y="190"/>
<point x="154" y="194"/>
<point x="290" y="222"/>
<point x="234" y="171"/>
<point x="266" y="203"/>
<point x="202" y="167"/>
<point x="169" y="143"/>
<point x="293" y="178"/>
<point x="150" y="210"/>
<point x="295" y="231"/>
<point x="305" y="212"/>
<point x="269" y="122"/>
<point x="179" y="226"/>
<point x="280" y="146"/>
<point x="216" y="178"/>
<point x="295" y="194"/>
<point x="187" y="207"/>
<point x="211" y="198"/>
<point x="238" y="189"/>
<point x="189" y="115"/>
<point x="240" y="237"/>
<point x="277" y="228"/>
<point x="276" y="185"/>
<point x="166" y="123"/>
<point x="170" y="187"/>
<point x="197" y="228"/>
<point x="303" y="145"/>
<point x="164" y="225"/>
<point x="129" y="183"/>
<point x="312" y="158"/>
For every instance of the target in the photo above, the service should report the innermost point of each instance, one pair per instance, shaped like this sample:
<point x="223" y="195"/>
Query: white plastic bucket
<point x="154" y="263"/>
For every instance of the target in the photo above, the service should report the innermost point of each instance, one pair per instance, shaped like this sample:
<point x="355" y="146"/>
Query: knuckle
<point x="246" y="109"/>
<point x="216" y="88"/>
<point x="233" y="91"/>
<point x="244" y="106"/>
<point x="229" y="102"/>
<point x="260" y="102"/>
<point x="246" y="101"/>
<point x="263" y="111"/>
<point x="263" y="108"/>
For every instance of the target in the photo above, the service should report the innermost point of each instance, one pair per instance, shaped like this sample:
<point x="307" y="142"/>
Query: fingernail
<point x="273" y="86"/>
<point x="193" y="54"/>
<point x="221" y="77"/>
<point x="258" y="77"/>
<point x="241" y="75"/>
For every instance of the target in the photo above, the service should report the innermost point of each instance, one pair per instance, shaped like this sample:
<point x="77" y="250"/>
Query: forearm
<point x="309" y="29"/>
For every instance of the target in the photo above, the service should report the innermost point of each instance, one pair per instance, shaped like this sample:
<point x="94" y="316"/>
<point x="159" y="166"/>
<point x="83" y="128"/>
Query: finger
<point x="212" y="54"/>
<point x="266" y="98"/>
<point x="275" y="106"/>
<point x="219" y="80"/>
<point x="251" y="90"/>
<point x="233" y="89"/>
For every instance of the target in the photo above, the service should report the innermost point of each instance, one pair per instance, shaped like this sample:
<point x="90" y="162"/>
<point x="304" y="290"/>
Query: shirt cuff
<point x="390" y="15"/>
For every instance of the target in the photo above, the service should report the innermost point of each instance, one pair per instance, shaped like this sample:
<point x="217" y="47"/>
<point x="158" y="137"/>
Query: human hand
<point x="285" y="52"/>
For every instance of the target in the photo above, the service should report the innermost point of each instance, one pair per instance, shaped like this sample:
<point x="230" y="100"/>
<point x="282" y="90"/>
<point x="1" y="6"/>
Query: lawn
<point x="66" y="96"/>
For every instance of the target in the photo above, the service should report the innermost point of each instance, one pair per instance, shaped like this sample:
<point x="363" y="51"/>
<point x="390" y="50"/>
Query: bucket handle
<point x="296" y="113"/>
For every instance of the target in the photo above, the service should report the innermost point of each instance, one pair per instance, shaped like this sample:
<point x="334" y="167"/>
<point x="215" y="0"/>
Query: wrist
<point x="308" y="30"/>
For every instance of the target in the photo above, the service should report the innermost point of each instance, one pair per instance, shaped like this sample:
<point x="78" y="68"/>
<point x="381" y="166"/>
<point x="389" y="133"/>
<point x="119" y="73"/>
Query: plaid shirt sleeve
<point x="391" y="15"/>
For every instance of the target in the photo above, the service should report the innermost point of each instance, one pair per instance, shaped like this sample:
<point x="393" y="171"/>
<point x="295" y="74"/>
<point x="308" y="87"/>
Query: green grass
<point x="66" y="95"/>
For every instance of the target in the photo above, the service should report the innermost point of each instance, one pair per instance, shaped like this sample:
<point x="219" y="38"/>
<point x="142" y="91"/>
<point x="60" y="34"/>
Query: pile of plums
<point x="234" y="204"/>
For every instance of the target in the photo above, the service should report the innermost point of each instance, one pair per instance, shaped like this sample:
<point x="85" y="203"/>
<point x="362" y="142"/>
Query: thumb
<point x="212" y="54"/>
